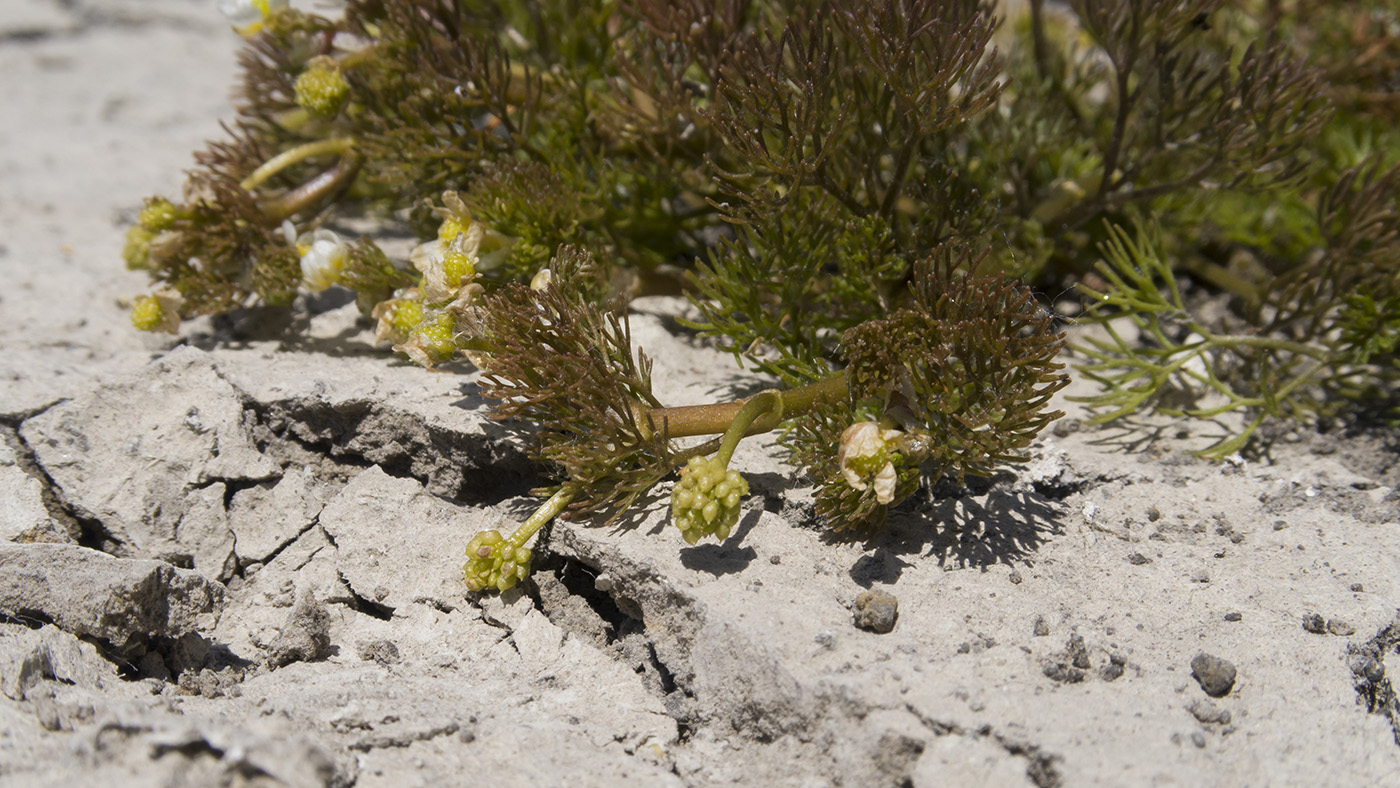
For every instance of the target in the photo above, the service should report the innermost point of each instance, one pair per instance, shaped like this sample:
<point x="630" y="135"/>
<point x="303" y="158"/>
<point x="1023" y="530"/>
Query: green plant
<point x="846" y="192"/>
<point x="1304" y="344"/>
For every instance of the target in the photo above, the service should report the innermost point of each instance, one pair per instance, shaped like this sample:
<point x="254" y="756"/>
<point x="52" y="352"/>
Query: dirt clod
<point x="1215" y="675"/>
<point x="306" y="637"/>
<point x="1040" y="629"/>
<point x="1209" y="713"/>
<point x="382" y="651"/>
<point x="876" y="611"/>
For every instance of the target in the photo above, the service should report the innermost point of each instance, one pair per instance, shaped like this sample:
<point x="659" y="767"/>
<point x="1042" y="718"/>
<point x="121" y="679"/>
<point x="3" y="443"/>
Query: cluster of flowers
<point x="423" y="321"/>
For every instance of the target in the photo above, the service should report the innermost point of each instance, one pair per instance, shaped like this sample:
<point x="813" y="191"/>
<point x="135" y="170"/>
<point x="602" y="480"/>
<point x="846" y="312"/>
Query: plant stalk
<point x="547" y="511"/>
<point x="285" y="159"/>
<point x="690" y="420"/>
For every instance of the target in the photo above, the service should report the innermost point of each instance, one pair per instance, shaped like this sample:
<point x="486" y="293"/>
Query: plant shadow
<point x="728" y="557"/>
<point x="1000" y="526"/>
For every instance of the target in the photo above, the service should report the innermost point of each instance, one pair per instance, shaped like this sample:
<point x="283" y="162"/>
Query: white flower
<point x="247" y="16"/>
<point x="323" y="257"/>
<point x="865" y="452"/>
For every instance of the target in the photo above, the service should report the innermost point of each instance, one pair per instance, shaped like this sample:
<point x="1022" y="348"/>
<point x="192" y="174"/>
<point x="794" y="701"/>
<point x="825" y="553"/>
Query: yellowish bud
<point x="321" y="89"/>
<point x="159" y="311"/>
<point x="159" y="214"/>
<point x="137" y="252"/>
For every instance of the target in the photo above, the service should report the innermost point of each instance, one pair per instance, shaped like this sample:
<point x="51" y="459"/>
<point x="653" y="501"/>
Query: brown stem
<point x="315" y="190"/>
<point x="689" y="420"/>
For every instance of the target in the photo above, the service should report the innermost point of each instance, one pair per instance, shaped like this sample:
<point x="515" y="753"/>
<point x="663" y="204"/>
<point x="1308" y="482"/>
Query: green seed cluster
<point x="706" y="499"/>
<point x="456" y="266"/>
<point x="437" y="337"/>
<point x="399" y="317"/>
<point x="492" y="562"/>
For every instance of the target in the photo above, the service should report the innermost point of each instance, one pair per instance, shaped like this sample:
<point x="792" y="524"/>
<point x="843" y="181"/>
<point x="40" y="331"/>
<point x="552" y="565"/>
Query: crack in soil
<point x="1040" y="766"/>
<point x="1367" y="661"/>
<point x="86" y="531"/>
<point x="477" y="470"/>
<point x="388" y="741"/>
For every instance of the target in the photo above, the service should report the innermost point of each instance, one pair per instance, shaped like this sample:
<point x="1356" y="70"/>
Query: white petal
<point x="885" y="482"/>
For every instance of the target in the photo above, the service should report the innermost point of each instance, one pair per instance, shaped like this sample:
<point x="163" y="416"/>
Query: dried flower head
<point x="867" y="458"/>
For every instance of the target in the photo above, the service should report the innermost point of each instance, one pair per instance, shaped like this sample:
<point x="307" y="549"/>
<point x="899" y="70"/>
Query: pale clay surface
<point x="165" y="504"/>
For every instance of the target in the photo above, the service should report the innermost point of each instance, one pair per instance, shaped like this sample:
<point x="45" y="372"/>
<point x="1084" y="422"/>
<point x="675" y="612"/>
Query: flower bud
<point x="447" y="264"/>
<point x="493" y="562"/>
<point x="705" y="502"/>
<point x="137" y="251"/>
<point x="398" y="316"/>
<point x="321" y="89"/>
<point x="432" y="341"/>
<point x="159" y="311"/>
<point x="159" y="214"/>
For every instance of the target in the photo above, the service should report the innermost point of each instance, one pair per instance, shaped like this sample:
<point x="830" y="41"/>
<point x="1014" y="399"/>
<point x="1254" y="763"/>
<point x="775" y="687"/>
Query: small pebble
<point x="1138" y="559"/>
<point x="1040" y="629"/>
<point x="1358" y="588"/>
<point x="1015" y="577"/>
<point x="1233" y="616"/>
<point x="1153" y="514"/>
<point x="1279" y="525"/>
<point x="876" y="611"/>
<point x="1059" y="671"/>
<point x="1198" y="739"/>
<point x="1315" y="624"/>
<point x="1215" y="675"/>
<point x="1339" y="627"/>
<point x="1078" y="654"/>
<point x="1114" y="669"/>
<point x="1209" y="713"/>
<point x="382" y="651"/>
<point x="1369" y="668"/>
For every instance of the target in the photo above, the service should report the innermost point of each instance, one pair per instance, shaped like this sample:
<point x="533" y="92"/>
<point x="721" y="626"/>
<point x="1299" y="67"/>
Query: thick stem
<point x="285" y="159"/>
<point x="542" y="515"/>
<point x="690" y="420"/>
<point x="315" y="190"/>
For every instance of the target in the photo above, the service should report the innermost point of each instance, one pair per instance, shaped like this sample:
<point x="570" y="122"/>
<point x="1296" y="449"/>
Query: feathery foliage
<point x="855" y="197"/>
